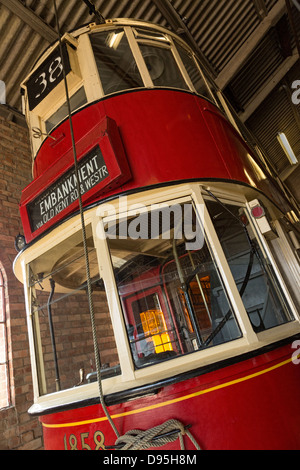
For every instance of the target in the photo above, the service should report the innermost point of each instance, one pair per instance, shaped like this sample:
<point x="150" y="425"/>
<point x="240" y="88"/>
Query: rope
<point x="135" y="439"/>
<point x="92" y="10"/>
<point x="85" y="247"/>
<point x="157" y="436"/>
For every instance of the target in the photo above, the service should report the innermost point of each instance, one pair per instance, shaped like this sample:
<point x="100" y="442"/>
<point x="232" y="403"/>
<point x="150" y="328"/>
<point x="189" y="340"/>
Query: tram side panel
<point x="167" y="136"/>
<point x="230" y="408"/>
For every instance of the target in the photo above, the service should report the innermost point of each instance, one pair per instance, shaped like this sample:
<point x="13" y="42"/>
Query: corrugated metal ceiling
<point x="219" y="28"/>
<point x="223" y="30"/>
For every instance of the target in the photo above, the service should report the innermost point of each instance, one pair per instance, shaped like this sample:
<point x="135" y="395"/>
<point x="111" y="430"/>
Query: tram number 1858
<point x="72" y="442"/>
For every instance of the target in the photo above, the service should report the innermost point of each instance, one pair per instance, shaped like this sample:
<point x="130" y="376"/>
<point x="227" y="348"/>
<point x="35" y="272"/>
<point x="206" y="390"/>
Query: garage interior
<point x="250" y="47"/>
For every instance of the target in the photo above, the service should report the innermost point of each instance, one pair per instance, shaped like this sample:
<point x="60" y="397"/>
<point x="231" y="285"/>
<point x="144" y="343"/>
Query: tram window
<point x="252" y="271"/>
<point x="193" y="71"/>
<point x="115" y="62"/>
<point x="283" y="251"/>
<point x="77" y="100"/>
<point x="171" y="293"/>
<point x="60" y="307"/>
<point x="162" y="66"/>
<point x="148" y="34"/>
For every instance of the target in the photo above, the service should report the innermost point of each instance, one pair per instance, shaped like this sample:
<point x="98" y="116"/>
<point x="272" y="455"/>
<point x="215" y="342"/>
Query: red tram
<point x="188" y="238"/>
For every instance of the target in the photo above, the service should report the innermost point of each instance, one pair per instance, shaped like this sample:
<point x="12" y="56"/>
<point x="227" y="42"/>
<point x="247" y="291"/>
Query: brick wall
<point x="17" y="429"/>
<point x="71" y="319"/>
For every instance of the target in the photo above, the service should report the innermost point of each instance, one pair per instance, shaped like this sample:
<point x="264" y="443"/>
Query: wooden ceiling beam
<point x="266" y="88"/>
<point x="179" y="27"/>
<point x="30" y="18"/>
<point x="249" y="45"/>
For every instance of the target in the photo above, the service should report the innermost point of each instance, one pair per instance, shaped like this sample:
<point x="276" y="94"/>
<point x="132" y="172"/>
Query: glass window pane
<point x="76" y="101"/>
<point x="2" y="304"/>
<point x="3" y="386"/>
<point x="283" y="250"/>
<point x="193" y="71"/>
<point x="170" y="290"/>
<point x="162" y="66"/>
<point x="150" y="34"/>
<point x="62" y="308"/>
<point x="2" y="343"/>
<point x="252" y="272"/>
<point x="115" y="62"/>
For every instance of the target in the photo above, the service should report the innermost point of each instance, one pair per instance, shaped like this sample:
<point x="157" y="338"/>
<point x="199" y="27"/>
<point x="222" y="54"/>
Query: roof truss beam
<point x="179" y="27"/>
<point x="247" y="48"/>
<point x="30" y="18"/>
<point x="266" y="89"/>
<point x="260" y="8"/>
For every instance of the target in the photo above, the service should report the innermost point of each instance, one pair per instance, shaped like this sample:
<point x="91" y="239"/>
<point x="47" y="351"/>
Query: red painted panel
<point x="104" y="134"/>
<point x="250" y="405"/>
<point x="167" y="135"/>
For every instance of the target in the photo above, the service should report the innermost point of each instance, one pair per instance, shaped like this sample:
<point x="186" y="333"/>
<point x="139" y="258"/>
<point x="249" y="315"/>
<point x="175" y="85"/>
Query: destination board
<point x="91" y="171"/>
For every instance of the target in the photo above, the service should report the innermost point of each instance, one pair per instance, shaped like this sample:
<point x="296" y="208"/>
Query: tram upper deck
<point x="144" y="113"/>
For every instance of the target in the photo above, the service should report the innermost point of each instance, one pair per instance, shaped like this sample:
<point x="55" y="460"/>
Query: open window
<point x="61" y="319"/>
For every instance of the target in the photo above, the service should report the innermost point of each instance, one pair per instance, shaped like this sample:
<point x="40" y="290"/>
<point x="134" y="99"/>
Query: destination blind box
<point x="92" y="170"/>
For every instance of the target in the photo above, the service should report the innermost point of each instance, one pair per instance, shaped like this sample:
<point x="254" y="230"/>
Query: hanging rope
<point x="94" y="11"/>
<point x="85" y="247"/>
<point x="135" y="439"/>
<point x="157" y="436"/>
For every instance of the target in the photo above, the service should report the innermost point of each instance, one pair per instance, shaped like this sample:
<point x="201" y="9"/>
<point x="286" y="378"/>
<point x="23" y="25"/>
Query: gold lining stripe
<point x="171" y="402"/>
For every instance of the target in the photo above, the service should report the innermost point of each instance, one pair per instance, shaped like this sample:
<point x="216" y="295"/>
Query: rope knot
<point x="157" y="436"/>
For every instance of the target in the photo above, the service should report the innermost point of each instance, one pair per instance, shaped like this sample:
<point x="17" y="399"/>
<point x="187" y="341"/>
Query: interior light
<point x="114" y="39"/>
<point x="282" y="139"/>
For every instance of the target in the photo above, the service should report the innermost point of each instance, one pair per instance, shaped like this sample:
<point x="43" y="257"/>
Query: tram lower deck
<point x="191" y="317"/>
<point x="231" y="408"/>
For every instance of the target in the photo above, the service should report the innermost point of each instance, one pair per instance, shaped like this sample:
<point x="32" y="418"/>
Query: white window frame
<point x="176" y="195"/>
<point x="228" y="280"/>
<point x="268" y="255"/>
<point x="90" y="81"/>
<point x="42" y="398"/>
<point x="134" y="42"/>
<point x="129" y="375"/>
<point x="280" y="331"/>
